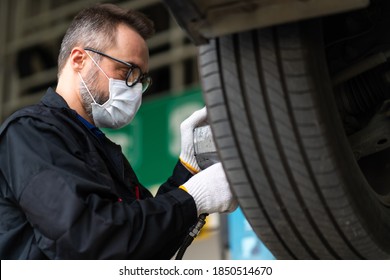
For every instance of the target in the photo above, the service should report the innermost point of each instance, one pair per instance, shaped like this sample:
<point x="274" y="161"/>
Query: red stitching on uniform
<point x="137" y="194"/>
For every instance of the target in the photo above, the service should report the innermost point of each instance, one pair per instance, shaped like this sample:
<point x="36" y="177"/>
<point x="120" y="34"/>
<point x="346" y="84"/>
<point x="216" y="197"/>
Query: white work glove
<point x="211" y="191"/>
<point x="187" y="155"/>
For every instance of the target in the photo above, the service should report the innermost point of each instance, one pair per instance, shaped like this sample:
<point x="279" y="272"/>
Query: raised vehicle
<point x="298" y="95"/>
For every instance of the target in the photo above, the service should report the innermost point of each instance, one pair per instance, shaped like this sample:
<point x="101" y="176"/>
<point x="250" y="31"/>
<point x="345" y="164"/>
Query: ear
<point x="77" y="59"/>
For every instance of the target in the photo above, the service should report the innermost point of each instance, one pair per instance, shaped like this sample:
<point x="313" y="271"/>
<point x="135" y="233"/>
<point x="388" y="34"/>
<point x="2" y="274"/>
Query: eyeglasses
<point x="134" y="75"/>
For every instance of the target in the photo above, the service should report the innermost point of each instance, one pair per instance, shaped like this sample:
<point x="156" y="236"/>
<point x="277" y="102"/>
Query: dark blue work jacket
<point x="66" y="193"/>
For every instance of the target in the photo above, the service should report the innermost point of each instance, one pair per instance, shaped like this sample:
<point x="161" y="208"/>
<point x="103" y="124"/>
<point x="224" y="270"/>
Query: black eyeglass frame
<point x="142" y="76"/>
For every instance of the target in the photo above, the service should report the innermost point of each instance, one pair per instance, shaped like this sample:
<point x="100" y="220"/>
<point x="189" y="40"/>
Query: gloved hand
<point x="211" y="191"/>
<point x="187" y="156"/>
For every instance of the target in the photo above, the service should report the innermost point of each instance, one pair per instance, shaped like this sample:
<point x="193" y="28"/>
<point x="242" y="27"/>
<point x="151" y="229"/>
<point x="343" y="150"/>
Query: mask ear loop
<point x="97" y="65"/>
<point x="82" y="80"/>
<point x="109" y="91"/>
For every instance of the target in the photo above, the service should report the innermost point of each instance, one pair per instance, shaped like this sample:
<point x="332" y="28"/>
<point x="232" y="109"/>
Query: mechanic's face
<point x="130" y="47"/>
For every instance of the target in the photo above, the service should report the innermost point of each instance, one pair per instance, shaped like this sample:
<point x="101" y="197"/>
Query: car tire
<point x="282" y="144"/>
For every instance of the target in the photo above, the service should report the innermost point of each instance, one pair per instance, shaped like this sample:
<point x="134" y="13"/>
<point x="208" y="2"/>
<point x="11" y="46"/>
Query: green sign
<point x="151" y="142"/>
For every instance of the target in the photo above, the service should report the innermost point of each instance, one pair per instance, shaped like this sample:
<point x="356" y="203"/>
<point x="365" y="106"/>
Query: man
<point x="66" y="191"/>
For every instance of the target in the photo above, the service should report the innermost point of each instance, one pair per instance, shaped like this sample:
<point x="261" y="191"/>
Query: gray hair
<point x="95" y="27"/>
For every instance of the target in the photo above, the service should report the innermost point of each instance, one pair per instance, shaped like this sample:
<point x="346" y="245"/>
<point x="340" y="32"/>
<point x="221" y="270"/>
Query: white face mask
<point x="122" y="105"/>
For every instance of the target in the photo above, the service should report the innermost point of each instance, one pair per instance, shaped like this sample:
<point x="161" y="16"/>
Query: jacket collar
<point x="54" y="100"/>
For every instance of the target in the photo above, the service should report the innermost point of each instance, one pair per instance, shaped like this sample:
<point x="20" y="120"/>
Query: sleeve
<point x="179" y="176"/>
<point x="74" y="215"/>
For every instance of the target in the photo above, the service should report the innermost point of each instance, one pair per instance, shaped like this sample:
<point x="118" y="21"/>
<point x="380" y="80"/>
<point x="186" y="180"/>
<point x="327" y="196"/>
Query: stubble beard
<point x="86" y="98"/>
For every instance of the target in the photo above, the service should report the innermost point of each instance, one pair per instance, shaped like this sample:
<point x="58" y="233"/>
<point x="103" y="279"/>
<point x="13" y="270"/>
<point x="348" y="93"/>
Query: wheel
<point x="284" y="149"/>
